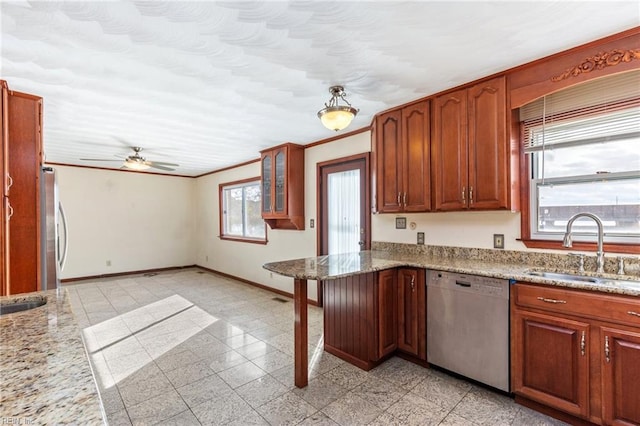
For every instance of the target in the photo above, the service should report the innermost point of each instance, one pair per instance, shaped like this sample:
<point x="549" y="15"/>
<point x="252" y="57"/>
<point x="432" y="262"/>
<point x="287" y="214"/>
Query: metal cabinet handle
<point x="583" y="343"/>
<point x="544" y="299"/>
<point x="464" y="194"/>
<point x="607" y="350"/>
<point x="399" y="199"/>
<point x="471" y="195"/>
<point x="636" y="314"/>
<point x="413" y="283"/>
<point x="10" y="211"/>
<point x="10" y="180"/>
<point x="404" y="199"/>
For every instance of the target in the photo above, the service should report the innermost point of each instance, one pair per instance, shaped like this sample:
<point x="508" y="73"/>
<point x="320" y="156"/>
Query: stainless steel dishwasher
<point x="468" y="326"/>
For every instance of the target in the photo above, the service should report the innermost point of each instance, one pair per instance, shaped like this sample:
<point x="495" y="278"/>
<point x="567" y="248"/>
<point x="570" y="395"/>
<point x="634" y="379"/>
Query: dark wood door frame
<point x="333" y="166"/>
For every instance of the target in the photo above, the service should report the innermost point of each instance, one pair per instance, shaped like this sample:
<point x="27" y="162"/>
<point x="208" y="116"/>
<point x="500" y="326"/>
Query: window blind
<point x="597" y="111"/>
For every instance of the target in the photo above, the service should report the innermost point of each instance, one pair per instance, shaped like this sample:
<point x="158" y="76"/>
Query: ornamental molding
<point x="599" y="61"/>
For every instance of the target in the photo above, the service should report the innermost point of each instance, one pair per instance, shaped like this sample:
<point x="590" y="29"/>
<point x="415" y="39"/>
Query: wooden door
<point x="550" y="362"/>
<point x="387" y="313"/>
<point x="488" y="146"/>
<point x="449" y="162"/>
<point x="388" y="152"/>
<point x="411" y="312"/>
<point x="416" y="158"/>
<point x="4" y="207"/>
<point x="25" y="160"/>
<point x="620" y="376"/>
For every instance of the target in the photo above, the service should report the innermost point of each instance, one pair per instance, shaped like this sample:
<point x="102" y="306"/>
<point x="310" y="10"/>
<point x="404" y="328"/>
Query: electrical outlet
<point x="312" y="223"/>
<point x="498" y="241"/>
<point x="421" y="238"/>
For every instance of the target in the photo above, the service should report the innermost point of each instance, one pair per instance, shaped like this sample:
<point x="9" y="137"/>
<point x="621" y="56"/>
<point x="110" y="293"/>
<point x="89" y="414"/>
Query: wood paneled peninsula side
<point x="365" y="270"/>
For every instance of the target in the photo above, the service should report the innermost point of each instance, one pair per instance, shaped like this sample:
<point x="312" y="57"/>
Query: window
<point x="240" y="214"/>
<point x="583" y="146"/>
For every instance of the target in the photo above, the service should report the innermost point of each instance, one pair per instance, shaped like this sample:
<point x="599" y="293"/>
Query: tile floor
<point x="189" y="347"/>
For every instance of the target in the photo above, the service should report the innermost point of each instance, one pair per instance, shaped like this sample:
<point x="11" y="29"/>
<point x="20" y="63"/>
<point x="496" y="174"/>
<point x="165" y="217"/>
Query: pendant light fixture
<point x="334" y="116"/>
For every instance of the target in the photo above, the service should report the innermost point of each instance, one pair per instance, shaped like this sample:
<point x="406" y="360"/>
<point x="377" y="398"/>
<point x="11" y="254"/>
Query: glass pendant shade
<point x="136" y="165"/>
<point x="337" y="117"/>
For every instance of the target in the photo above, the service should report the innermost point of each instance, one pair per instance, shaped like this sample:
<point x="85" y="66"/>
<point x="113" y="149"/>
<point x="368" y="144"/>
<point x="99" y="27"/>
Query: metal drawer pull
<point x="583" y="343"/>
<point x="607" y="351"/>
<point x="634" y="313"/>
<point x="544" y="299"/>
<point x="413" y="283"/>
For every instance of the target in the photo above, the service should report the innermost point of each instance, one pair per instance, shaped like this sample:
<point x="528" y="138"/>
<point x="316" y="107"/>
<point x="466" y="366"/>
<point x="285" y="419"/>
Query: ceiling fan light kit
<point x="335" y="116"/>
<point x="138" y="162"/>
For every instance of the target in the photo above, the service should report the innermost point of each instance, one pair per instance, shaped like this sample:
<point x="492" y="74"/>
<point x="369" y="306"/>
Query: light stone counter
<point x="465" y="262"/>
<point x="45" y="376"/>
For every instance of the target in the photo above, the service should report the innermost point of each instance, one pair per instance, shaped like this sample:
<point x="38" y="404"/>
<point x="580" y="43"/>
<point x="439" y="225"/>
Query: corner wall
<point x="136" y="221"/>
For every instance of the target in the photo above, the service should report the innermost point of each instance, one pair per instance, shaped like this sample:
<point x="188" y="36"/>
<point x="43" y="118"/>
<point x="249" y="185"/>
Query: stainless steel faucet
<point x="568" y="242"/>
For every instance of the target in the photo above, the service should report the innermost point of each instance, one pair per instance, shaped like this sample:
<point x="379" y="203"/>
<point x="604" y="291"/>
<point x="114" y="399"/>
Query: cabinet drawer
<point x="619" y="309"/>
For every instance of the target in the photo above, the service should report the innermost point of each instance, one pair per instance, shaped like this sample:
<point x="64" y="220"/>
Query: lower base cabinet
<point x="368" y="317"/>
<point x="577" y="352"/>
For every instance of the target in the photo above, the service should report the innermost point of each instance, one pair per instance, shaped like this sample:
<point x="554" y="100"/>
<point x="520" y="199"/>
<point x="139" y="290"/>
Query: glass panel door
<point x="266" y="184"/>
<point x="343" y="209"/>
<point x="280" y="183"/>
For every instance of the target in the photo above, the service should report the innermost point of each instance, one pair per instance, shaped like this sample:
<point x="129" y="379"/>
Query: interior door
<point x="344" y="206"/>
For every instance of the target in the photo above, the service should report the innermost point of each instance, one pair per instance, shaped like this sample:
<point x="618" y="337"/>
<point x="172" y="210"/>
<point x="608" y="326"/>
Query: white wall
<point x="245" y="260"/>
<point x="136" y="221"/>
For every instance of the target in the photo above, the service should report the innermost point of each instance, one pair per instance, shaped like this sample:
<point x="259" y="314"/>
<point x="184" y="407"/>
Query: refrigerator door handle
<point x="63" y="257"/>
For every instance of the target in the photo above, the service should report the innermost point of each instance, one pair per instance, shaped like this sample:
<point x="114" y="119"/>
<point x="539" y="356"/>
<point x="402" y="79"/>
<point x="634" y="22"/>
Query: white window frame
<point x="224" y="233"/>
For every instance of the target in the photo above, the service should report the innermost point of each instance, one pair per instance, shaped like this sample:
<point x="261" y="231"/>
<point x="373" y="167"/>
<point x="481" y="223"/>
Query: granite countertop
<point x="342" y="265"/>
<point x="44" y="370"/>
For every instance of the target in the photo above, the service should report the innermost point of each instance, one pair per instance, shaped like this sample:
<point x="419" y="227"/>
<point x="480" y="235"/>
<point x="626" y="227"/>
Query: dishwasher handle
<point x="463" y="284"/>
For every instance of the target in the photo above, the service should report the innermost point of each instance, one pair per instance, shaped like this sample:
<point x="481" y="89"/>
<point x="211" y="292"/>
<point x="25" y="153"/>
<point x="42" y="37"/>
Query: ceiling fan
<point x="138" y="162"/>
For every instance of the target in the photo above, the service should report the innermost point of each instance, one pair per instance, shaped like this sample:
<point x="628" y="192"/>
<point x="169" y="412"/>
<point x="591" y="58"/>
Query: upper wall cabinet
<point x="401" y="148"/>
<point x="283" y="186"/>
<point x="470" y="149"/>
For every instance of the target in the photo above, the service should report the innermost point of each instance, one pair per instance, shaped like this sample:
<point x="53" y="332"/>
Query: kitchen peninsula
<point x="506" y="265"/>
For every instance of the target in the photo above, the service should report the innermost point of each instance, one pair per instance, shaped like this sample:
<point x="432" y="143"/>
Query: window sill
<point x="244" y="239"/>
<point x="582" y="246"/>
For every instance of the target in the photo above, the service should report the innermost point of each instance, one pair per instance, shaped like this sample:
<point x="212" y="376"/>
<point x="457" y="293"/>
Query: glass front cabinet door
<point x="282" y="169"/>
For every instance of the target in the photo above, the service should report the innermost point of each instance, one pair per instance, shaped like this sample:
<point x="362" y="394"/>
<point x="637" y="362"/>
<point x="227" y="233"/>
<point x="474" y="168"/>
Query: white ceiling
<point x="209" y="84"/>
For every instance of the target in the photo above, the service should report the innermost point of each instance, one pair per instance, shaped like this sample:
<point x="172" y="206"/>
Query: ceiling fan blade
<point x="156" y="166"/>
<point x="96" y="159"/>
<point x="162" y="163"/>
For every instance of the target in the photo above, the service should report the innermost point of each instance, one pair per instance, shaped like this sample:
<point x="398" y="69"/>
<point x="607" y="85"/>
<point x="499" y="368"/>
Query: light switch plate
<point x="498" y="241"/>
<point x="401" y="223"/>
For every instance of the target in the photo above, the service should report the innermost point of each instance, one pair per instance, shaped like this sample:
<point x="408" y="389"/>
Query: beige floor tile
<point x="287" y="409"/>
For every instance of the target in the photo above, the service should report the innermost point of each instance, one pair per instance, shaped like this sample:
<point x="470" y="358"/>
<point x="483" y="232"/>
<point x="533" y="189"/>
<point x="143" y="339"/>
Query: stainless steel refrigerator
<point x="54" y="233"/>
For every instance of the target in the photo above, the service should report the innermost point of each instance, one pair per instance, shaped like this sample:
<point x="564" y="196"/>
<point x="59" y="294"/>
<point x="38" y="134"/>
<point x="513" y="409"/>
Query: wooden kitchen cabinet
<point x="282" y="170"/>
<point x="412" y="312"/>
<point x="360" y="317"/>
<point x="577" y="352"/>
<point x="21" y="162"/>
<point x="401" y="149"/>
<point x="470" y="148"/>
<point x="620" y="376"/>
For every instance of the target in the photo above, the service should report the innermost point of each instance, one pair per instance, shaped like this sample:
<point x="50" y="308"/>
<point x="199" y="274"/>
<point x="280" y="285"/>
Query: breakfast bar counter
<point x="332" y="267"/>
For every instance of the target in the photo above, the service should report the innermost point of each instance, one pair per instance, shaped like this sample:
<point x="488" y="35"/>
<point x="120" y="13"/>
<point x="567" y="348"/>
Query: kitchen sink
<point x="564" y="277"/>
<point x="12" y="307"/>
<point x="583" y="278"/>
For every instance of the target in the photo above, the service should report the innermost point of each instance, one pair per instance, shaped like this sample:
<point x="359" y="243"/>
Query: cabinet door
<point x="387" y="312"/>
<point x="4" y="207"/>
<point x="416" y="163"/>
<point x="620" y="376"/>
<point x="550" y="361"/>
<point x="25" y="156"/>
<point x="280" y="182"/>
<point x="488" y="146"/>
<point x="449" y="150"/>
<point x="411" y="312"/>
<point x="388" y="162"/>
<point x="267" y="179"/>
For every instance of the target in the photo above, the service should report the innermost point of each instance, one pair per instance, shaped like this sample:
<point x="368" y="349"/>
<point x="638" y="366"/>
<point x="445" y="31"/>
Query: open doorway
<point x="344" y="206"/>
